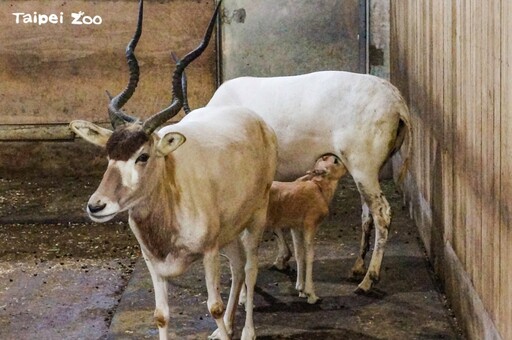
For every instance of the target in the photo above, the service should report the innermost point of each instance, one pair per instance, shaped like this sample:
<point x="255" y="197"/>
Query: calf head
<point x="135" y="153"/>
<point x="329" y="166"/>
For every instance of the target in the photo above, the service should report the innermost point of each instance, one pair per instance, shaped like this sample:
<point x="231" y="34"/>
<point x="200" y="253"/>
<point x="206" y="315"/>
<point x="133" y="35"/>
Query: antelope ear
<point x="169" y="142"/>
<point x="90" y="132"/>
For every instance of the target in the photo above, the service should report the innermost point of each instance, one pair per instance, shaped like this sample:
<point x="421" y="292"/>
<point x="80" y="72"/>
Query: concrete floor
<point x="61" y="275"/>
<point x="406" y="304"/>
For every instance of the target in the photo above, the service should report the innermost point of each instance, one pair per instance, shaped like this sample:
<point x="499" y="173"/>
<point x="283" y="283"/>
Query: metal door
<point x="288" y="37"/>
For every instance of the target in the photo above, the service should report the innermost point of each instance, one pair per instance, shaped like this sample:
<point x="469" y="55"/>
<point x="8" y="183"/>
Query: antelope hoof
<point x="358" y="273"/>
<point x="248" y="334"/>
<point x="360" y="291"/>
<point x="364" y="287"/>
<point x="216" y="335"/>
<point x="358" y="270"/>
<point x="374" y="276"/>
<point x="312" y="299"/>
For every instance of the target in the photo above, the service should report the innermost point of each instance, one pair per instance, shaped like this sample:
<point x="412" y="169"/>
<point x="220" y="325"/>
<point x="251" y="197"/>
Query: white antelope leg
<point x="161" y="314"/>
<point x="309" y="239"/>
<point x="359" y="269"/>
<point x="381" y="212"/>
<point x="234" y="252"/>
<point x="284" y="253"/>
<point x="251" y="241"/>
<point x="299" y="249"/>
<point x="211" y="263"/>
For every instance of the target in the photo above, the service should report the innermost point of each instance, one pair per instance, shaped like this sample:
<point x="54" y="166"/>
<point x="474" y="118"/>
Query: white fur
<point x="351" y="115"/>
<point x="129" y="176"/>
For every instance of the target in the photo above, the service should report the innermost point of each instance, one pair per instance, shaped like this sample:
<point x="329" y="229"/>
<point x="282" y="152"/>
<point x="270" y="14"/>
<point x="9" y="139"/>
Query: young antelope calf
<point x="301" y="206"/>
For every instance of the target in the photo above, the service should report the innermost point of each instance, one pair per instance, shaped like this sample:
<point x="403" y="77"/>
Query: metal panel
<point x="288" y="37"/>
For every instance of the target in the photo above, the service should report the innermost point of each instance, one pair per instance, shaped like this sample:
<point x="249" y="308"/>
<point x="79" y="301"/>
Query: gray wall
<point x="288" y="37"/>
<point x="379" y="37"/>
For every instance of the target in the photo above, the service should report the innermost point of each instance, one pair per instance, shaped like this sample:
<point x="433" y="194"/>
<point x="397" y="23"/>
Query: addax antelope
<point x="360" y="118"/>
<point x="191" y="189"/>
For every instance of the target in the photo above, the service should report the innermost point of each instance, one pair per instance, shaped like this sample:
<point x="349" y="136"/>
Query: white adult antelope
<point x="362" y="119"/>
<point x="191" y="189"/>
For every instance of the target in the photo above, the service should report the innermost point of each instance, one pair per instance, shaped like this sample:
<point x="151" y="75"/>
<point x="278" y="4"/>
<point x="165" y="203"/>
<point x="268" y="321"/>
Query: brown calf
<point x="301" y="206"/>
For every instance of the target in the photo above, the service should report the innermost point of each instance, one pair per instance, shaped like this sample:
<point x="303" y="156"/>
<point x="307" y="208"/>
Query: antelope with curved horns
<point x="362" y="119"/>
<point x="191" y="189"/>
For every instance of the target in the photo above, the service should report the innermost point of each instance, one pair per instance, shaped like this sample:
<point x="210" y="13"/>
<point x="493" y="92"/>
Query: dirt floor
<point x="62" y="277"/>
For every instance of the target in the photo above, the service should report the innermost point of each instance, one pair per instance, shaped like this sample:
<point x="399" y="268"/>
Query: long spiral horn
<point x="117" y="116"/>
<point x="156" y="120"/>
<point x="186" y="106"/>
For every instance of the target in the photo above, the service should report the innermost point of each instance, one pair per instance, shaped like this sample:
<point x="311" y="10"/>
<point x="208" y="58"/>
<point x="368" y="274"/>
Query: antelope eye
<point x="142" y="158"/>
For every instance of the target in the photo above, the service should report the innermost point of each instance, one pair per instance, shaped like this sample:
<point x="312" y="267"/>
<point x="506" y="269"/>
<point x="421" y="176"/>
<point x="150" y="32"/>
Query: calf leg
<point x="211" y="263"/>
<point x="381" y="212"/>
<point x="284" y="254"/>
<point x="161" y="314"/>
<point x="359" y="269"/>
<point x="309" y="239"/>
<point x="299" y="248"/>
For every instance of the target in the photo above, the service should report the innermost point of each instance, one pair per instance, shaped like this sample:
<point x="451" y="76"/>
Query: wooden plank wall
<point x="52" y="74"/>
<point x="57" y="73"/>
<point x="452" y="60"/>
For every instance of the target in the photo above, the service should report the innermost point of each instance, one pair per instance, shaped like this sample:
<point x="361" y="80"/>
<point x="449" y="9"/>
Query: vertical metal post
<point x="218" y="45"/>
<point x="364" y="39"/>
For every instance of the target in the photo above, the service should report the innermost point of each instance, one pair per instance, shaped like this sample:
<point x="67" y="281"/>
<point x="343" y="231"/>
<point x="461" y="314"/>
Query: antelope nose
<point x="94" y="208"/>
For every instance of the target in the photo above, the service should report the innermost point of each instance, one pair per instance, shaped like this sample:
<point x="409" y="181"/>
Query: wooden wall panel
<point x="458" y="152"/>
<point x="436" y="123"/>
<point x="505" y="306"/>
<point x="448" y="107"/>
<point x="453" y="62"/>
<point x="495" y="114"/>
<point x="483" y="76"/>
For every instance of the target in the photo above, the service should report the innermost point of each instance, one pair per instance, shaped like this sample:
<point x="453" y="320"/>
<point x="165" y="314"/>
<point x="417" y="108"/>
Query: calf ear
<point x="169" y="142"/>
<point x="90" y="132"/>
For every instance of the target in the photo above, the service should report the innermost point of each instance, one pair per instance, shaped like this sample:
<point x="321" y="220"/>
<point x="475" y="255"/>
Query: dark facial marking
<point x="125" y="142"/>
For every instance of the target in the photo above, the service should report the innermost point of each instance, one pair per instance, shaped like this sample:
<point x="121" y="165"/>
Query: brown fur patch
<point x="159" y="319"/>
<point x="125" y="141"/>
<point x="157" y="233"/>
<point x="154" y="215"/>
<point x="217" y="310"/>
